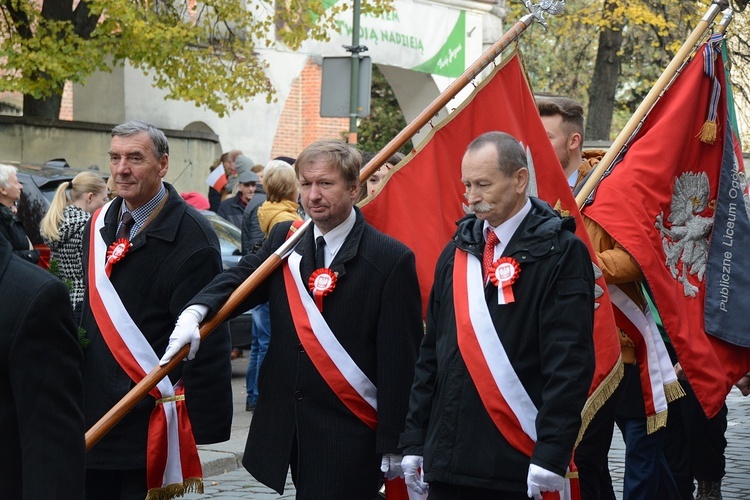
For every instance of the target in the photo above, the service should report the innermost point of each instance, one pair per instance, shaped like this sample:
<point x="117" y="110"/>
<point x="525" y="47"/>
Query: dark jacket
<point x="171" y="259"/>
<point x="41" y="390"/>
<point x="374" y="312"/>
<point x="12" y="230"/>
<point x="547" y="334"/>
<point x="232" y="210"/>
<point x="252" y="235"/>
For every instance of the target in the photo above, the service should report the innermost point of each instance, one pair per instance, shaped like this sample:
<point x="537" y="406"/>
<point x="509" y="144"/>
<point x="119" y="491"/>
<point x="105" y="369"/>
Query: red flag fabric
<point x="421" y="199"/>
<point x="659" y="203"/>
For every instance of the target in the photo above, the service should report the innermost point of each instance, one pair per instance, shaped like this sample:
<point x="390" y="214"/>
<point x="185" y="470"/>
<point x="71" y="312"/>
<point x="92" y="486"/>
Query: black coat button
<point x="298" y="395"/>
<point x="301" y="347"/>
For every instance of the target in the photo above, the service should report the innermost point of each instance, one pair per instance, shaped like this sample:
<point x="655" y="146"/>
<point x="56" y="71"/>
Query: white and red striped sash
<point x="330" y="358"/>
<point x="506" y="400"/>
<point x="655" y="368"/>
<point x="172" y="457"/>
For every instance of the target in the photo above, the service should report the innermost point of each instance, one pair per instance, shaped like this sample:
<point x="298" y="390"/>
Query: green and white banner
<point x="423" y="37"/>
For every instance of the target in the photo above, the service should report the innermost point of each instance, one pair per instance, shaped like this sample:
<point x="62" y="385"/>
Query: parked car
<point x="231" y="253"/>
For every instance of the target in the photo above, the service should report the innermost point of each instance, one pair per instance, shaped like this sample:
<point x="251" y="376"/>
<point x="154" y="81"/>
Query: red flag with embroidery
<point x="421" y="199"/>
<point x="660" y="202"/>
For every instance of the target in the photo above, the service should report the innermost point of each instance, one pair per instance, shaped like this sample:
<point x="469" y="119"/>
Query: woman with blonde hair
<point x="282" y="191"/>
<point x="62" y="225"/>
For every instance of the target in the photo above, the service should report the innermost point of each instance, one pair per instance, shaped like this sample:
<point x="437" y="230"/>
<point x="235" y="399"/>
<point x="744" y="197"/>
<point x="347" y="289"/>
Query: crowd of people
<point x="482" y="400"/>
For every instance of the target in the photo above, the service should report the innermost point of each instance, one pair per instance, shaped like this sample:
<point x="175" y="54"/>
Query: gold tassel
<point x="673" y="391"/>
<point x="708" y="132"/>
<point x="194" y="485"/>
<point x="600" y="396"/>
<point x="656" y="422"/>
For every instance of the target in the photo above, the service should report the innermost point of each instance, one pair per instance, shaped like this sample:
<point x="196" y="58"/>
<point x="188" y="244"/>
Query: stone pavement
<point x="226" y="479"/>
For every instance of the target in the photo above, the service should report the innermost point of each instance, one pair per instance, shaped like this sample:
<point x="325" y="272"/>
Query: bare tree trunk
<point x="46" y="108"/>
<point x="604" y="82"/>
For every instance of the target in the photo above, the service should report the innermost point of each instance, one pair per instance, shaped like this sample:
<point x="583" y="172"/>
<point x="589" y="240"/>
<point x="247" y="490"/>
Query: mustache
<point x="476" y="208"/>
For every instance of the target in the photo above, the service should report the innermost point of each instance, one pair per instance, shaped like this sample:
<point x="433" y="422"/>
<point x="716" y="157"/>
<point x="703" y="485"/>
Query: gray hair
<point x="511" y="156"/>
<point x="5" y="172"/>
<point x="159" y="143"/>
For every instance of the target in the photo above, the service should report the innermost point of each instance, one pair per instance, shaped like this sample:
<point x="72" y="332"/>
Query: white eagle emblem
<point x="685" y="241"/>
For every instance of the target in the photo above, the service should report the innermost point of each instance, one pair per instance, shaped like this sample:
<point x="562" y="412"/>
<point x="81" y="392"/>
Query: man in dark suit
<point x="145" y="254"/>
<point x="41" y="391"/>
<point x="334" y="384"/>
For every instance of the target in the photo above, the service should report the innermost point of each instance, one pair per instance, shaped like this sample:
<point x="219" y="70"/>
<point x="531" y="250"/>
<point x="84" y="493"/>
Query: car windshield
<point x="229" y="234"/>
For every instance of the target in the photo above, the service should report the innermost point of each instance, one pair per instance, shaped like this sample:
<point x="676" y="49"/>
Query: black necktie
<point x="125" y="225"/>
<point x="320" y="249"/>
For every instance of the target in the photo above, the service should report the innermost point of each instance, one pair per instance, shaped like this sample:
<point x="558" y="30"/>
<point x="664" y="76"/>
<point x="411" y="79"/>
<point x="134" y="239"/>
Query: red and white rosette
<point x="116" y="251"/>
<point x="503" y="273"/>
<point x="322" y="282"/>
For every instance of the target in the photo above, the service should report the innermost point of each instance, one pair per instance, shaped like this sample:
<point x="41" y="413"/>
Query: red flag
<point x="421" y="199"/>
<point x="659" y="203"/>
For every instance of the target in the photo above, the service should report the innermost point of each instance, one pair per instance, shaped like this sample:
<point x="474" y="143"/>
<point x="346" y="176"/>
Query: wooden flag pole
<point x="142" y="388"/>
<point x="659" y="87"/>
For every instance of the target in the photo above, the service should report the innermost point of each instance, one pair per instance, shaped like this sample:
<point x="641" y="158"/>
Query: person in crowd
<point x="214" y="197"/>
<point x="41" y="389"/>
<point x="62" y="226"/>
<point x="372" y="182"/>
<point x="196" y="200"/>
<point x="647" y="472"/>
<point x="252" y="234"/>
<point x="232" y="209"/>
<point x="10" y="225"/>
<point x="365" y="314"/>
<point x="282" y="192"/>
<point x="145" y="254"/>
<point x="507" y="359"/>
<point x="563" y="120"/>
<point x="232" y="169"/>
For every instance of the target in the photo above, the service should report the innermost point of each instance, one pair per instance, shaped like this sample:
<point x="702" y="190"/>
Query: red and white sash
<point x="330" y="358"/>
<point x="501" y="391"/>
<point x="173" y="466"/>
<point x="658" y="379"/>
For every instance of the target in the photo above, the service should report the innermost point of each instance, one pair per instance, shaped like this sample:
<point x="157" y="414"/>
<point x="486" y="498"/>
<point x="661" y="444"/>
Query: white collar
<point x="507" y="229"/>
<point x="573" y="178"/>
<point x="335" y="237"/>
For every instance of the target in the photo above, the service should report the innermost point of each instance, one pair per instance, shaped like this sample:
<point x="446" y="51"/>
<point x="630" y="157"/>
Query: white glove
<point x="390" y="465"/>
<point x="540" y="480"/>
<point x="185" y="332"/>
<point x="414" y="473"/>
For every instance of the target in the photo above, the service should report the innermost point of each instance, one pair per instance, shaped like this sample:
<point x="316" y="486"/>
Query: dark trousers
<point x="116" y="484"/>
<point x="694" y="444"/>
<point x="647" y="474"/>
<point x="445" y="491"/>
<point x="592" y="452"/>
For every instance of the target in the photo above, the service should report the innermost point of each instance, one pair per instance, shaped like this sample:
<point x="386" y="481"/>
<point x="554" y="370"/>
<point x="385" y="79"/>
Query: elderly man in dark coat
<point x="334" y="384"/>
<point x="507" y="359"/>
<point x="41" y="390"/>
<point x="145" y="254"/>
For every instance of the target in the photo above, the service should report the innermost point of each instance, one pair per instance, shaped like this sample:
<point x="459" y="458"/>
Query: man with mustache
<point x="345" y="314"/>
<point x="507" y="359"/>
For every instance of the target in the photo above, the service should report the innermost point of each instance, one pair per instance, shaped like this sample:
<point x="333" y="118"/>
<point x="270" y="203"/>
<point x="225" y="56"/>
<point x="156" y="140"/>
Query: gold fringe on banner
<point x="656" y="422"/>
<point x="600" y="396"/>
<point x="673" y="390"/>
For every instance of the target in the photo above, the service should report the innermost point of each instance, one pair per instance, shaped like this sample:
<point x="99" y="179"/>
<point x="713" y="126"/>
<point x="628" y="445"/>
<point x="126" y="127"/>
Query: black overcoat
<point x="171" y="259"/>
<point x="547" y="334"/>
<point x="41" y="390"/>
<point x="375" y="313"/>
